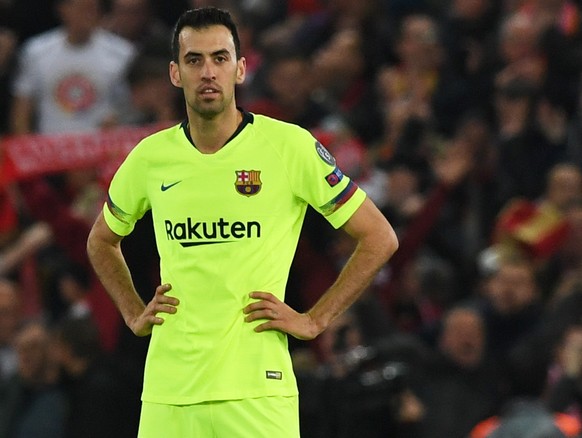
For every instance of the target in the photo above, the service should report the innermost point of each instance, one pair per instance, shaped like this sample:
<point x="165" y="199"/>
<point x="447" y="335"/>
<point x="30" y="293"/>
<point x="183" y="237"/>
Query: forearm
<point x="371" y="253"/>
<point x="31" y="241"/>
<point x="112" y="270"/>
<point x="356" y="275"/>
<point x="21" y="116"/>
<point x="376" y="242"/>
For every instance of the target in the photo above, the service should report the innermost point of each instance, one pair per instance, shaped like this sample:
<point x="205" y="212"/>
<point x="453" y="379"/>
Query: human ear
<point x="175" y="74"/>
<point x="241" y="69"/>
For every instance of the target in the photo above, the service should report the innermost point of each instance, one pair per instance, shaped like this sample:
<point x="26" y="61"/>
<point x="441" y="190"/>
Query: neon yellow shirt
<point x="226" y="224"/>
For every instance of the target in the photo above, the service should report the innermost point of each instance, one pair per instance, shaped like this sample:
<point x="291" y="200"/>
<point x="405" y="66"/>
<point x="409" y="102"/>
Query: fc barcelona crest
<point x="248" y="182"/>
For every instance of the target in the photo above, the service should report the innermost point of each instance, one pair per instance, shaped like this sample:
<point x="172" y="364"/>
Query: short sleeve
<point x="127" y="199"/>
<point x="317" y="179"/>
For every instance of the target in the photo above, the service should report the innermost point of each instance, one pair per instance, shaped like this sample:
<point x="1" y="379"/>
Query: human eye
<point x="194" y="60"/>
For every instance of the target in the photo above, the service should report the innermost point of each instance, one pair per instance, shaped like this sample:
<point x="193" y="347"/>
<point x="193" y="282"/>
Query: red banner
<point x="35" y="154"/>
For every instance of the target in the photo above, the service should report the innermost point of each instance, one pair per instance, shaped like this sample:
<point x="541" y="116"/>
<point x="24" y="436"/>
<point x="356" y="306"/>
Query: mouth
<point x="208" y="92"/>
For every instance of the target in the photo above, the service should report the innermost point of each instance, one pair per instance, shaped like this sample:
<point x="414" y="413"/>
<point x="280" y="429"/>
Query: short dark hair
<point x="201" y="18"/>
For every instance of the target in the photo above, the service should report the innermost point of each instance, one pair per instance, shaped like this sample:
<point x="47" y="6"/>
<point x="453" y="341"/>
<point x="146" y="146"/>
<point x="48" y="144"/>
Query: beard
<point x="208" y="108"/>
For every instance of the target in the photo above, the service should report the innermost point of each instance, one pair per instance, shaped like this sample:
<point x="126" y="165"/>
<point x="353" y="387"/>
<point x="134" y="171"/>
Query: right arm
<point x="106" y="257"/>
<point x="21" y="115"/>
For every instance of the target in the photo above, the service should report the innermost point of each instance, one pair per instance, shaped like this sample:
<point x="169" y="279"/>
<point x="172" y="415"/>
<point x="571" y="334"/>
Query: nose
<point x="208" y="71"/>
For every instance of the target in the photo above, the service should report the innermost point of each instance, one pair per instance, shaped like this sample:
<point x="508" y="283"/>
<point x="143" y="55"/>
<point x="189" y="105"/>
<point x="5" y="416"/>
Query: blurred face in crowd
<point x="340" y="59"/>
<point x="207" y="70"/>
<point x="470" y="9"/>
<point x="131" y="17"/>
<point x="403" y="187"/>
<point x="9" y="312"/>
<point x="33" y="358"/>
<point x="463" y="337"/>
<point x="519" y="38"/>
<point x="419" y="42"/>
<point x="512" y="288"/>
<point x="287" y="81"/>
<point x="564" y="185"/>
<point x="80" y="18"/>
<point x="569" y="352"/>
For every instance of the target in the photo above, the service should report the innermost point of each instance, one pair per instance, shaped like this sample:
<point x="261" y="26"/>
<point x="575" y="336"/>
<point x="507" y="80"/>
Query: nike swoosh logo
<point x="169" y="186"/>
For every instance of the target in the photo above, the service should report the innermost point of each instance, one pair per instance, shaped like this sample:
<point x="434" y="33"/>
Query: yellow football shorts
<point x="263" y="417"/>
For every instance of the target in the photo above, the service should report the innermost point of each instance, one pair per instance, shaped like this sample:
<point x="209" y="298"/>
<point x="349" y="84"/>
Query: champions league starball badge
<point x="324" y="154"/>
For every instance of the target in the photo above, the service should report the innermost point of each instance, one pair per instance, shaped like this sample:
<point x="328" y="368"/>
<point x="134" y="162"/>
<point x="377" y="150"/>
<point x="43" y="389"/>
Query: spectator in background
<point x="135" y="21"/>
<point x="360" y="386"/>
<point x="562" y="275"/>
<point x="560" y="36"/>
<point x="58" y="86"/>
<point x="24" y="245"/>
<point x="463" y="385"/>
<point x="31" y="404"/>
<point x="531" y="138"/>
<point x="538" y="228"/>
<point x="344" y="88"/>
<point x="469" y="31"/>
<point x="548" y="230"/>
<point x="101" y="403"/>
<point x="430" y="237"/>
<point x="519" y="52"/>
<point x="564" y="385"/>
<point x="9" y="220"/>
<point x="152" y="96"/>
<point x="527" y="418"/>
<point x="74" y="285"/>
<point x="418" y="93"/>
<point x="512" y="307"/>
<point x="8" y="44"/>
<point x="575" y="131"/>
<point x="288" y="93"/>
<point x="367" y="17"/>
<point x="10" y="319"/>
<point x="526" y="411"/>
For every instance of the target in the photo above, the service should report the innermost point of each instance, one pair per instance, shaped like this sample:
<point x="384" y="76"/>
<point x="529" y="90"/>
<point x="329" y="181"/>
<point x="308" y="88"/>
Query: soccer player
<point x="228" y="191"/>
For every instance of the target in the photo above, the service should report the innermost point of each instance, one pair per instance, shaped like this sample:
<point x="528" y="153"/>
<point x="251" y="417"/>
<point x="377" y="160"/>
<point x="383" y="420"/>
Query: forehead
<point x="206" y="40"/>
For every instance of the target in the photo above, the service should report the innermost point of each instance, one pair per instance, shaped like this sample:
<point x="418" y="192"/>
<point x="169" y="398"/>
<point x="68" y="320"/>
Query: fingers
<point x="277" y="315"/>
<point x="160" y="296"/>
<point x="266" y="296"/>
<point x="260" y="313"/>
<point x="268" y="307"/>
<point x="161" y="303"/>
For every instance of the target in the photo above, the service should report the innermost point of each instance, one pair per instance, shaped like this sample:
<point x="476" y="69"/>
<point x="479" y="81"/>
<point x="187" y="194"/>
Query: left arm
<point x="376" y="242"/>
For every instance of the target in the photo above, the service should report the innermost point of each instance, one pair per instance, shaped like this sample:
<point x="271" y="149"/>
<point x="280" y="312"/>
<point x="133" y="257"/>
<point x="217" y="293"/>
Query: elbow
<point x="385" y="243"/>
<point x="390" y="244"/>
<point x="90" y="244"/>
<point x="94" y="244"/>
<point x="381" y="244"/>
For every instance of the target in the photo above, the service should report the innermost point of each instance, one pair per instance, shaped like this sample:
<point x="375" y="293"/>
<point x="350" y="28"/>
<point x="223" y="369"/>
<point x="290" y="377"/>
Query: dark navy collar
<point x="247" y="118"/>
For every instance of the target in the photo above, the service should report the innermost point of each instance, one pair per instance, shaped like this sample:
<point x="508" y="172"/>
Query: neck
<point x="210" y="135"/>
<point x="78" y="39"/>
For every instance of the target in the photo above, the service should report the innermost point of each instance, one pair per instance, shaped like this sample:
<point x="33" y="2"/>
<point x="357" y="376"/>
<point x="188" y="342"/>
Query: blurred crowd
<point x="460" y="118"/>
